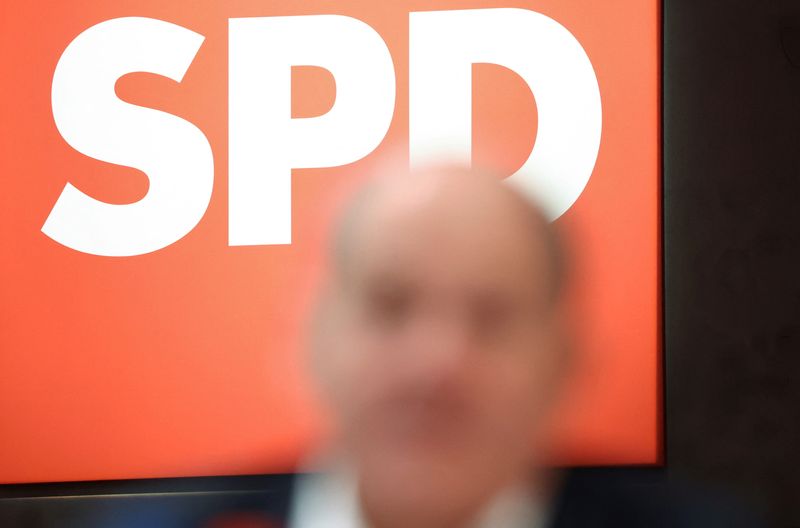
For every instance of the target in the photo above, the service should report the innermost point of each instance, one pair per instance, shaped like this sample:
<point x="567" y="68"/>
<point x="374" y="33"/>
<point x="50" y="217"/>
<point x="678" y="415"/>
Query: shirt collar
<point x="330" y="500"/>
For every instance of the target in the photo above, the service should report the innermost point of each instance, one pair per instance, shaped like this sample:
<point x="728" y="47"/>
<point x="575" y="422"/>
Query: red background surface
<point x="189" y="360"/>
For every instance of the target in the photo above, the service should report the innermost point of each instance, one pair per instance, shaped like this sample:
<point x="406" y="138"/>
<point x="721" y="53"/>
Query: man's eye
<point x="389" y="307"/>
<point x="490" y="317"/>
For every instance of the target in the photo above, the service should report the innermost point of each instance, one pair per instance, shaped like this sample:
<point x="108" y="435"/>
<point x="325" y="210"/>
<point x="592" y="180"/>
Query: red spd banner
<point x="170" y="169"/>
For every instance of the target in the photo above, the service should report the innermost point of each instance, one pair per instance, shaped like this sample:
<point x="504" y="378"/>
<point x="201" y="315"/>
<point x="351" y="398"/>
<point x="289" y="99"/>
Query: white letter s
<point x="172" y="152"/>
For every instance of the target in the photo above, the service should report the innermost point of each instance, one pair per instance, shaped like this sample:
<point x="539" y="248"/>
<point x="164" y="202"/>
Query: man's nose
<point x="439" y="346"/>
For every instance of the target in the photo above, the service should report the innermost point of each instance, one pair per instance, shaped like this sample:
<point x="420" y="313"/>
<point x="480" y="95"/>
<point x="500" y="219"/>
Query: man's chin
<point x="426" y="479"/>
<point x="420" y="457"/>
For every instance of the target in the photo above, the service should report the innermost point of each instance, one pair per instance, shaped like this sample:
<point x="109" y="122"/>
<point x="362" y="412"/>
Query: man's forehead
<point x="406" y="200"/>
<point x="397" y="208"/>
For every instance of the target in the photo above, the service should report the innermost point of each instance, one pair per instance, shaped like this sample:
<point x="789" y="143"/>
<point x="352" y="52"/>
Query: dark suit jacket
<point x="644" y="498"/>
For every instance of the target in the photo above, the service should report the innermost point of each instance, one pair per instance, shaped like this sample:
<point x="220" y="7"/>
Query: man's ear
<point x="321" y="340"/>
<point x="566" y="352"/>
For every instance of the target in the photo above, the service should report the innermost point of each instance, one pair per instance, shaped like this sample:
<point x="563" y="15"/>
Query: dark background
<point x="732" y="247"/>
<point x="731" y="191"/>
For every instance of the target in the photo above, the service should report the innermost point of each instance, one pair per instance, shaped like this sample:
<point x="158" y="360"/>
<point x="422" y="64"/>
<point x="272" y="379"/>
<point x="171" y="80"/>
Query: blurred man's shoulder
<point x="632" y="497"/>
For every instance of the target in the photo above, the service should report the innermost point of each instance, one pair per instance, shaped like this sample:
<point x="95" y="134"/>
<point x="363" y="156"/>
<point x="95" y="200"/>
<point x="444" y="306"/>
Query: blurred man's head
<point x="440" y="341"/>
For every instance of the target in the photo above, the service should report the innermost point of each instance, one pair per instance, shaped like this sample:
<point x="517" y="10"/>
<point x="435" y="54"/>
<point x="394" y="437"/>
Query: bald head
<point x="445" y="188"/>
